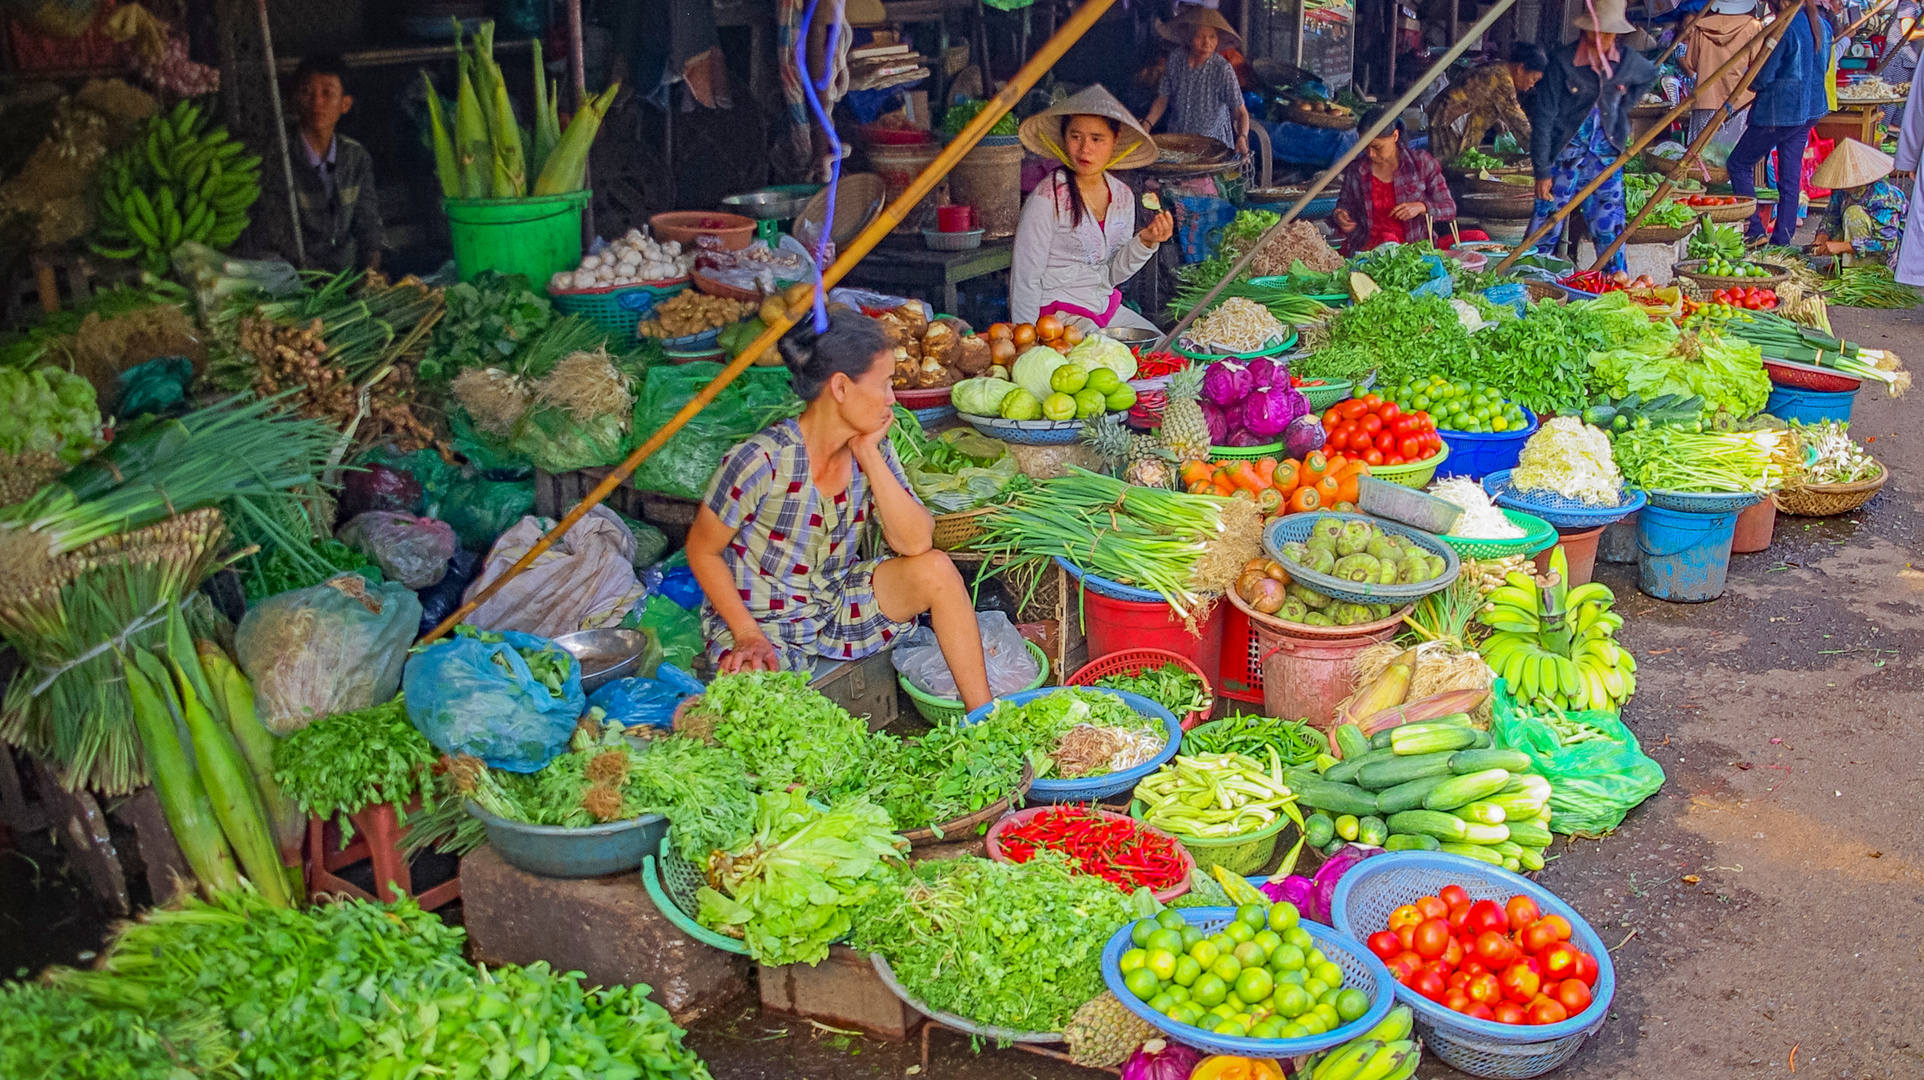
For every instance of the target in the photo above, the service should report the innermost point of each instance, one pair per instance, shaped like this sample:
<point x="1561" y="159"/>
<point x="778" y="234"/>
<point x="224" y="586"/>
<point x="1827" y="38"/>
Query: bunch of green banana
<point x="177" y="181"/>
<point x="1385" y="1052"/>
<point x="1556" y="645"/>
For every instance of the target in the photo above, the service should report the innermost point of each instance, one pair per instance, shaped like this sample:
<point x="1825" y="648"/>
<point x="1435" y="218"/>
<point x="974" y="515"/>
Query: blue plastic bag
<point x="678" y="584"/>
<point x="1439" y="283"/>
<point x="464" y="703"/>
<point x="1509" y="294"/>
<point x="647" y="701"/>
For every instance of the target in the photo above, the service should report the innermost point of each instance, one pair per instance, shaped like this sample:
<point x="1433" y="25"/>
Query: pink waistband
<point x="1055" y="306"/>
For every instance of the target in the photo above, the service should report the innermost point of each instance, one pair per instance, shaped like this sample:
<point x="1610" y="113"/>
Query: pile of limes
<point x="1260" y="976"/>
<point x="1453" y="406"/>
<point x="1081" y="392"/>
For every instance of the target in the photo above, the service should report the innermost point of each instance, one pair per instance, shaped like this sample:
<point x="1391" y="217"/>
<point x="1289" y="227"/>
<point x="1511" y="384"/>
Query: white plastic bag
<point x="584" y="582"/>
<point x="1011" y="665"/>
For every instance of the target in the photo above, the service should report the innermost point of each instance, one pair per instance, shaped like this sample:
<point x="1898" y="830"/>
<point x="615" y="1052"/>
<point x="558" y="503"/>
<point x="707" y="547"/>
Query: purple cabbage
<point x="1242" y="436"/>
<point x="1303" y="435"/>
<point x="1265" y="372"/>
<point x="1227" y="382"/>
<point x="1173" y="1061"/>
<point x="1269" y="411"/>
<point x="1219" y="420"/>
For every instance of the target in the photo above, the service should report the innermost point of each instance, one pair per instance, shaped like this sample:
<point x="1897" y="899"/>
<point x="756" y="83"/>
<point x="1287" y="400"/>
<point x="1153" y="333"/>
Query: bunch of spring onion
<point x="1870" y="286"/>
<point x="1785" y="339"/>
<point x="1186" y="547"/>
<point x="1838" y="459"/>
<point x="483" y="156"/>
<point x="1668" y="459"/>
<point x="1287" y="304"/>
<point x="364" y="325"/>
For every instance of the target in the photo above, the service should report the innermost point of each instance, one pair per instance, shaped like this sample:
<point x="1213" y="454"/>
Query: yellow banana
<point x="1347" y="1061"/>
<point x="1589" y="592"/>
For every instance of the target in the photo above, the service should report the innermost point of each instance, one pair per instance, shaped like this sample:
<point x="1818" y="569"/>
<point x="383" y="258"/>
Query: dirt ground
<point x="1765" y="909"/>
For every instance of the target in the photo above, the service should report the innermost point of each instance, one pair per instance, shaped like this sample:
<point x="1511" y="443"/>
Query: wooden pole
<point x="1683" y="32"/>
<point x="1336" y="168"/>
<point x="1696" y="148"/>
<point x="891" y="216"/>
<point x="1775" y="30"/>
<point x="280" y="134"/>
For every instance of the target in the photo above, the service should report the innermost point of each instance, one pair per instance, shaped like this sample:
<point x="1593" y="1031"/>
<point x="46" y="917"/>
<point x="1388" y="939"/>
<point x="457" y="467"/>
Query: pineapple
<point x="1132" y="458"/>
<point x="1184" y="431"/>
<point x="1103" y="1033"/>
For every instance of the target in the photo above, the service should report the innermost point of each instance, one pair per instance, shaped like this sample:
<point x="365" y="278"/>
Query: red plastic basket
<point x="1241" y="677"/>
<point x="1809" y="377"/>
<point x="1134" y="662"/>
<point x="924" y="399"/>
<point x="992" y="843"/>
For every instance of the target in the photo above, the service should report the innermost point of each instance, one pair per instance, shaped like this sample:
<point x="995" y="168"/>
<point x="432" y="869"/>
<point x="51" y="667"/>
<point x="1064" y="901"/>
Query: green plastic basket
<point x="1414" y="474"/>
<point x="671" y="882"/>
<point x="1322" y="397"/>
<point x="1538" y="534"/>
<point x="945" y="711"/>
<point x="1283" y="346"/>
<point x="1240" y="855"/>
<point x="1245" y="453"/>
<point x="618" y="309"/>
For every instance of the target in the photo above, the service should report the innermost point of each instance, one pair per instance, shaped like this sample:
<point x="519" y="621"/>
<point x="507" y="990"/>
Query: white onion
<point x="584" y="279"/>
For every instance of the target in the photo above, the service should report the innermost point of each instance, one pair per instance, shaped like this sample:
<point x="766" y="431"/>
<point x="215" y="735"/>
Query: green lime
<point x="1166" y="939"/>
<point x="1132" y="960"/>
<point x="1312" y="957"/>
<point x="1312" y="1023"/>
<point x="1187" y="971"/>
<point x="1420" y="402"/>
<point x="1223" y="942"/>
<point x="1226" y="968"/>
<point x="1325" y="971"/>
<point x="1294" y="978"/>
<point x="1288" y="958"/>
<point x="1255" y="916"/>
<point x="1351" y="1004"/>
<point x="1293" y="1031"/>
<point x="1162" y="1003"/>
<point x="1231" y="1027"/>
<point x="1190" y="935"/>
<point x="1058" y="407"/>
<point x="1299" y="937"/>
<point x="1140" y="930"/>
<point x="1327" y="1014"/>
<point x="1187" y="1012"/>
<point x="1208" y="992"/>
<point x="1169" y="919"/>
<point x="1143" y="983"/>
<point x="1315" y="988"/>
<point x="1179" y="992"/>
<point x="1090" y="403"/>
<point x="1269" y="1027"/>
<point x="1103" y="381"/>
<point x="1283" y="917"/>
<point x="1205" y="952"/>
<point x="1290" y="1001"/>
<point x="1254" y="984"/>
<point x="1239" y="931"/>
<point x="1224" y="1010"/>
<point x="1249" y="954"/>
<point x="1161" y="963"/>
<point x="1270" y="940"/>
<point x="1069" y="378"/>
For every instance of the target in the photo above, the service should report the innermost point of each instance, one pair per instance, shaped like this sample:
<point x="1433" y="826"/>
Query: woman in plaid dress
<point x="775" y="544"/>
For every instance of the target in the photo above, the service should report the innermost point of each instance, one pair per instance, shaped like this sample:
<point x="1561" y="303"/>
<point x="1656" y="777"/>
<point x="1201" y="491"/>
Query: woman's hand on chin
<point x="868" y="442"/>
<point x="750" y="654"/>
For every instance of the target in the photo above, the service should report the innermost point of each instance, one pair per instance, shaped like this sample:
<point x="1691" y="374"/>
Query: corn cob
<point x="445" y="165"/>
<point x="183" y="799"/>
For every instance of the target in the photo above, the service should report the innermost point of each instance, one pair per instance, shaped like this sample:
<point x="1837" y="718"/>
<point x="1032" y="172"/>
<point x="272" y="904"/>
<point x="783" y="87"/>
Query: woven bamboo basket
<point x="955" y="532"/>
<point x="1666" y="167"/>
<point x="1740" y="211"/>
<point x="1824" y="500"/>
<point x="1659" y="234"/>
<point x="1335" y="122"/>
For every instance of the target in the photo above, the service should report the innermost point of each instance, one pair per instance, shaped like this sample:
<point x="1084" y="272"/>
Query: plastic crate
<point x="1361" y="969"/>
<point x="1477" y="455"/>
<point x="1375" y="887"/>
<point x="1415" y="474"/>
<point x="1417" y="509"/>
<point x="1135" y="662"/>
<point x="1240" y="674"/>
<point x="1086" y="789"/>
<point x="618" y="309"/>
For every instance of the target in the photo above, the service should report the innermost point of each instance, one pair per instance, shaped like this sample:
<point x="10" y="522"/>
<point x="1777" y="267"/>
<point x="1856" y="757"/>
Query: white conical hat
<point x="1852" y="164"/>
<point x="1042" y="133"/>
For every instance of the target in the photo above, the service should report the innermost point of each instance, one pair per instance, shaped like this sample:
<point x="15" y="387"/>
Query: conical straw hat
<point x="1610" y="18"/>
<point x="1183" y="27"/>
<point x="1042" y="133"/>
<point x="1852" y="164"/>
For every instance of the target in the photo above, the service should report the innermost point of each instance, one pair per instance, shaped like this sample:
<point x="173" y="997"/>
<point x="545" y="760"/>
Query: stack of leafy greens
<point x="794" y="886"/>
<point x="1045" y="721"/>
<point x="488" y="321"/>
<point x="957" y="116"/>
<point x="783" y="732"/>
<point x="1727" y="372"/>
<point x="948" y="773"/>
<point x="48" y="412"/>
<point x="45" y="1032"/>
<point x="1395" y="334"/>
<point x="960" y="469"/>
<point x="1003" y="944"/>
<point x="353" y="989"/>
<point x="341" y="764"/>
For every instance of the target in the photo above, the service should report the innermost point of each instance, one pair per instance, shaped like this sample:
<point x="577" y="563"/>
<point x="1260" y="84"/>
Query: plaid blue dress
<point x="795" y="557"/>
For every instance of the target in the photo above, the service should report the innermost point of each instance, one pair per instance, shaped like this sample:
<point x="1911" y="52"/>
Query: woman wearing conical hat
<point x="1865" y="222"/>
<point x="1077" y="240"/>
<point x="1199" y="89"/>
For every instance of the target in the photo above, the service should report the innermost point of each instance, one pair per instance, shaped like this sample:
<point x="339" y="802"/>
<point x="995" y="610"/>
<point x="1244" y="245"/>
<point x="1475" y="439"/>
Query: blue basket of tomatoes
<point x="1379" y="432"/>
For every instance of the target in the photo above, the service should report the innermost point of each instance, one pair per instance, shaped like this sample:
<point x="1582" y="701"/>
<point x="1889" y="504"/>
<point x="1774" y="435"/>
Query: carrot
<point x="1303" y="499"/>
<point x="1269" y="501"/>
<point x="1243" y="475"/>
<point x="1193" y="471"/>
<point x="1314" y="466"/>
<point x="1348" y="486"/>
<point x="1285" y="479"/>
<point x="1224" y="488"/>
<point x="1327" y="488"/>
<point x="1266" y="473"/>
<point x="1200" y="487"/>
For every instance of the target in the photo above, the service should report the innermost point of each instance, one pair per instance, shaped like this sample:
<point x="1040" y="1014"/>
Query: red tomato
<point x="1485" y="915"/>
<point x="1559" y="926"/>
<point x="1332" y="417"/>
<point x="1485" y="988"/>
<point x="1339" y="435"/>
<point x="1371" y="423"/>
<point x="1479" y="1011"/>
<point x="1453" y="895"/>
<point x="1457" y="1001"/>
<point x="1495" y="949"/>
<point x="1430" y="985"/>
<point x="1522" y="912"/>
<point x="1386" y="443"/>
<point x="1360" y="439"/>
<point x="1472" y="965"/>
<point x="1352" y="409"/>
<point x="1458" y="912"/>
<point x="1389" y="411"/>
<point x="1573" y="995"/>
<point x="1519" y="983"/>
<point x="1431" y="907"/>
<point x="1432" y="938"/>
<point x="1453" y="953"/>
<point x="1458" y="980"/>
<point x="1586" y="968"/>
<point x="1395" y="459"/>
<point x="1423" y="417"/>
<point x="1413" y="450"/>
<point x="1404" y="966"/>
<point x="1374" y="457"/>
<point x="1537" y="936"/>
<point x="1559" y="961"/>
<point x="1371" y="401"/>
<point x="1546" y="1011"/>
<point x="1406" y="933"/>
<point x="1405" y="915"/>
<point x="1385" y="945"/>
<point x="1507" y="1012"/>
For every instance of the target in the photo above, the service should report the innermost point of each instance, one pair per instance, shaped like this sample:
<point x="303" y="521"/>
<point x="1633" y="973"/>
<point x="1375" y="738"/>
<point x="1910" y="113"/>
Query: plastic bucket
<point x="1477" y="455"/>
<point x="535" y="236"/>
<point x="1306" y="678"/>
<point x="989" y="178"/>
<point x="1684" y="556"/>
<point x="1619" y="542"/>
<point x="1755" y="525"/>
<point x="1579" y="551"/>
<point x="898" y="166"/>
<point x="1809" y="406"/>
<point x="1113" y="625"/>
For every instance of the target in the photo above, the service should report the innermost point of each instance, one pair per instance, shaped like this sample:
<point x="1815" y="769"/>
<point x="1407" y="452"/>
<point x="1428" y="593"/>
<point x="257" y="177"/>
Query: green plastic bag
<point x="483" y="451"/>
<point x="675" y="627"/>
<point x="479" y="509"/>
<point x="558" y="443"/>
<point x="683" y="467"/>
<point x="1594" y="783"/>
<point x="433" y="474"/>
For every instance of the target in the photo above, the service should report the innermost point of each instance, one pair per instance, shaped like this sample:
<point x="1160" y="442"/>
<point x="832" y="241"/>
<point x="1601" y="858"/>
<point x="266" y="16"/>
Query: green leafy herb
<point x="1727" y="372"/>
<point x="1043" y="721"/>
<point x="488" y="320"/>
<point x="959" y="115"/>
<point x="948" y="773"/>
<point x="784" y="732"/>
<point x="341" y="764"/>
<point x="548" y="666"/>
<point x="48" y="1032"/>
<point x="48" y="411"/>
<point x="1172" y="686"/>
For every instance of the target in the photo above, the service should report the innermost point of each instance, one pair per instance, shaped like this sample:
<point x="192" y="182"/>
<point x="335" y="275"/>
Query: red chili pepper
<point x="1115" y="850"/>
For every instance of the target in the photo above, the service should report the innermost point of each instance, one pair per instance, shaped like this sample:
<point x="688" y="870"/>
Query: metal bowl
<point x="768" y="204"/>
<point x="605" y="655"/>
<point x="1130" y="335"/>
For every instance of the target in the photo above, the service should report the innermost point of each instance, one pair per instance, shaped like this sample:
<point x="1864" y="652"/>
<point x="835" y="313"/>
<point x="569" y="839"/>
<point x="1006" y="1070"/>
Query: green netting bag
<point x="558" y="443"/>
<point x="682" y="468"/>
<point x="1593" y="783"/>
<point x="480" y="509"/>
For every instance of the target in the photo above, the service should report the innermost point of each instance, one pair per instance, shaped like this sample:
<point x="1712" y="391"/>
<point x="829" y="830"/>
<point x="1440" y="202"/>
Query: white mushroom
<point x="584" y="279"/>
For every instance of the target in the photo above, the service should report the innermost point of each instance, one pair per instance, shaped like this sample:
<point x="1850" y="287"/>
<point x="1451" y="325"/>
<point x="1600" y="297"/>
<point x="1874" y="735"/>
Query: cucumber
<point x="1408" y="796"/>
<point x="1318" y="829"/>
<point x="1474" y="851"/>
<point x="1509" y="849"/>
<point x="1464" y="790"/>
<point x="1378" y="775"/>
<point x="1599" y="415"/>
<point x="1352" y="741"/>
<point x="1531" y="859"/>
<point x="1428" y="738"/>
<point x="1336" y="798"/>
<point x="1469" y="761"/>
<point x="1411" y="842"/>
<point x="1430" y="823"/>
<point x="1483" y="813"/>
<point x="1334" y="846"/>
<point x="1530" y="834"/>
<point x="1513" y="865"/>
<point x="1484" y="834"/>
<point x="1381" y="740"/>
<point x="1483" y="739"/>
<point x="1529" y="782"/>
<point x="1324" y="763"/>
<point x="1344" y="772"/>
<point x="1372" y="830"/>
<point x="1515" y="804"/>
<point x="1346" y="826"/>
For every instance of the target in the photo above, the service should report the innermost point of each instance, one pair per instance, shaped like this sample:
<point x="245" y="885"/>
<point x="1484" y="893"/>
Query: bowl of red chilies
<point x="1108" y="845"/>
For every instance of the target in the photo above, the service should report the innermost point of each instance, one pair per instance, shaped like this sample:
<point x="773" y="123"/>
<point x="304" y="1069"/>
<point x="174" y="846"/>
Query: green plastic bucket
<point x="536" y="236"/>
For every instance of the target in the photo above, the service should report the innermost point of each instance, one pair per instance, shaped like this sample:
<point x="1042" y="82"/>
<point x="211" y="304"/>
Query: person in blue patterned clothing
<point x="1865" y="222"/>
<point x="776" y="542"/>
<point x="1199" y="91"/>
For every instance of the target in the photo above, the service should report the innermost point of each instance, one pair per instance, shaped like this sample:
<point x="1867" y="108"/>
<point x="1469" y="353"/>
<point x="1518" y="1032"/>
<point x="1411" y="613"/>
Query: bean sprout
<point x="1238" y="325"/>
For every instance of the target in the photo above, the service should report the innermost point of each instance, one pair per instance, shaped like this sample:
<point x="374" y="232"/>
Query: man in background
<point x="340" y="210"/>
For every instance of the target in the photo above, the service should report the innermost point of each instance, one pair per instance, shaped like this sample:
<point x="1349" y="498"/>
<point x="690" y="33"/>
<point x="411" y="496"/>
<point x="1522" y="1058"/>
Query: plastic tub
<point x="1683" y="556"/>
<point x="1579" y="551"/>
<point x="1538" y="534"/>
<point x="1755" y="526"/>
<point x="1373" y="888"/>
<point x="1809" y="406"/>
<point x="1246" y="453"/>
<point x="1084" y="789"/>
<point x="992" y="844"/>
<point x="1240" y="855"/>
<point x="557" y="852"/>
<point x="1416" y="474"/>
<point x="1477" y="455"/>
<point x="686" y="227"/>
<point x="1117" y="617"/>
<point x="1305" y="678"/>
<point x="1619" y="542"/>
<point x="536" y="236"/>
<point x="947" y="711"/>
<point x="1417" y="509"/>
<point x="1134" y="662"/>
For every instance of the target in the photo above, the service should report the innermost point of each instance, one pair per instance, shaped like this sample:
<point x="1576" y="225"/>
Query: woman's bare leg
<point x="912" y="584"/>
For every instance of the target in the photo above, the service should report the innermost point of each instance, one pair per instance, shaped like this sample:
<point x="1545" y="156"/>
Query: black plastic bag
<point x="440" y="599"/>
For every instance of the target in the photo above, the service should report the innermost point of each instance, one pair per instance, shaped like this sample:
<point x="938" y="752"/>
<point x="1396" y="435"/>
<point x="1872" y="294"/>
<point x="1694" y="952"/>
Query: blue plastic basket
<point x="934" y="414"/>
<point x="1702" y="502"/>
<point x="1477" y="455"/>
<point x="1114" y="590"/>
<point x="1294" y="527"/>
<point x="1557" y="510"/>
<point x="1027" y="432"/>
<point x="1361" y="969"/>
<point x="1094" y="787"/>
<point x="618" y="309"/>
<point x="1375" y="887"/>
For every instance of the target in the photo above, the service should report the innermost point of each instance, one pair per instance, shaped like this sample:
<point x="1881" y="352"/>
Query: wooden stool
<point x="377" y="839"/>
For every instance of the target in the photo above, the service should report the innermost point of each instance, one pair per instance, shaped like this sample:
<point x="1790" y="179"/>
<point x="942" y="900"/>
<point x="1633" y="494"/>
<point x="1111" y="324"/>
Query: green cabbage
<point x="981" y="397"/>
<point x="1033" y="368"/>
<point x="48" y="411"/>
<point x="1108" y="352"/>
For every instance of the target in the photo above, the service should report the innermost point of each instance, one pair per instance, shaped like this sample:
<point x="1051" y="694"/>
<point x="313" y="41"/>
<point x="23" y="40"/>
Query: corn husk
<point x="1440" y="667"/>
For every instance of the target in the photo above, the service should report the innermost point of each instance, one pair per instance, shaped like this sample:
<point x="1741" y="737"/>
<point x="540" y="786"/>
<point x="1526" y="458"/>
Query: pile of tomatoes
<point x="1712" y="200"/>
<point x="1509" y="963"/>
<point x="1379" y="432"/>
<point x="1749" y="297"/>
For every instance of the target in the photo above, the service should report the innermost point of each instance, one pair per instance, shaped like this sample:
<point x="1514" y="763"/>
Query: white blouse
<point x="1056" y="260"/>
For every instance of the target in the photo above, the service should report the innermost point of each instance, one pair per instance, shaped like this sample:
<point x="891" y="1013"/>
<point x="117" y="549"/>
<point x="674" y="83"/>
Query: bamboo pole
<point x="1038" y="65"/>
<point x="1336" y="168"/>
<point x="1775" y="30"/>
<point x="1696" y="145"/>
<point x="280" y="133"/>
